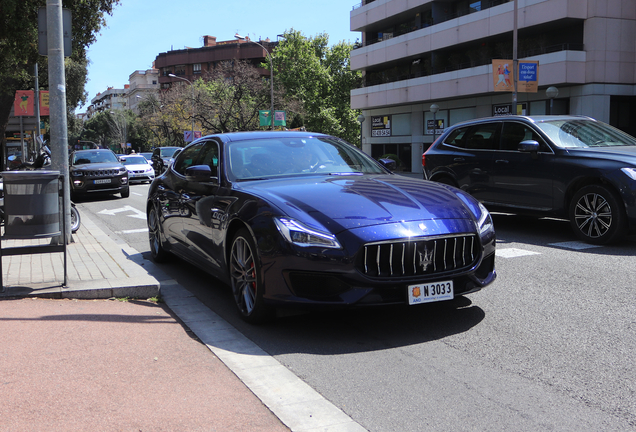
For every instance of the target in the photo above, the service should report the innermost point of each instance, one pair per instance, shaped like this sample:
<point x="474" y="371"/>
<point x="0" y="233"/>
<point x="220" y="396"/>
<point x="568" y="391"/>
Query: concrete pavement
<point x="79" y="357"/>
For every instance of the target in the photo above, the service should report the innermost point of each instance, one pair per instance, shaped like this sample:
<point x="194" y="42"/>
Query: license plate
<point x="432" y="292"/>
<point x="102" y="181"/>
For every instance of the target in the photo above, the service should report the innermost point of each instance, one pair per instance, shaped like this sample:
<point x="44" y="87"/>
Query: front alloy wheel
<point x="246" y="285"/>
<point x="596" y="215"/>
<point x="158" y="253"/>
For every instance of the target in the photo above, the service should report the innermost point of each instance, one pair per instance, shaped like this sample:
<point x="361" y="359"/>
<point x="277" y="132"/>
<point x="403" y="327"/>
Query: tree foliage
<point x="19" y="48"/>
<point x="320" y="77"/>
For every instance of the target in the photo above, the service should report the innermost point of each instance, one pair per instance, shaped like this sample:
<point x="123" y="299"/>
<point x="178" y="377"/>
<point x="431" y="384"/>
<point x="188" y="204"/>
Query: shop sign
<point x="437" y="124"/>
<point x="506" y="109"/>
<point x="381" y="126"/>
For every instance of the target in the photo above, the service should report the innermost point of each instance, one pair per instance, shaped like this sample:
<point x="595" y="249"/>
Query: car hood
<point x="610" y="152"/>
<point x="97" y="166"/>
<point x="356" y="201"/>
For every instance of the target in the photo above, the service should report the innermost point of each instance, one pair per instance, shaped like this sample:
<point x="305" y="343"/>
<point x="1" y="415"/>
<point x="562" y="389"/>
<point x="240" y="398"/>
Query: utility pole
<point x="57" y="92"/>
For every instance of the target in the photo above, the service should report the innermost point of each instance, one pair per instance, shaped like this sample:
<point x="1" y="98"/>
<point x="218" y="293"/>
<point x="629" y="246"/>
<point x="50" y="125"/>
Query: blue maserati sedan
<point x="307" y="220"/>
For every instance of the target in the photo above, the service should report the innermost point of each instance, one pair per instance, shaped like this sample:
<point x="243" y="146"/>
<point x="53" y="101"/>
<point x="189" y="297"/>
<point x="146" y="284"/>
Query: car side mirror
<point x="199" y="173"/>
<point x="388" y="164"/>
<point x="529" y="146"/>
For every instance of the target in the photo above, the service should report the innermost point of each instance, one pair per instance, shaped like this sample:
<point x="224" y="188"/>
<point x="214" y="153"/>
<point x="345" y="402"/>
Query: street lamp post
<point x="192" y="86"/>
<point x="361" y="119"/>
<point x="434" y="108"/>
<point x="271" y="76"/>
<point x="551" y="92"/>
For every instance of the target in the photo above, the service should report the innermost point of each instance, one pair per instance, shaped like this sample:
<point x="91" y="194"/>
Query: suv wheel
<point x="597" y="215"/>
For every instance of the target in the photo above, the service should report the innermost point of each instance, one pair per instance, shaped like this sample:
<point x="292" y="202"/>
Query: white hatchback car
<point x="139" y="168"/>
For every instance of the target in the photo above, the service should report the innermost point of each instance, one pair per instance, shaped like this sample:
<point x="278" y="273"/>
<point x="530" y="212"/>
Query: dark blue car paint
<point x="198" y="221"/>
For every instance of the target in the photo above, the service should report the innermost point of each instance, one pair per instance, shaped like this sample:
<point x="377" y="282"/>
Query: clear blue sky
<point x="139" y="30"/>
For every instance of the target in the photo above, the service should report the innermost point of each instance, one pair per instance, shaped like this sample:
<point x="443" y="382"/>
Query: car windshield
<point x="273" y="157"/>
<point x="584" y="133"/>
<point x="134" y="160"/>
<point x="91" y="157"/>
<point x="167" y="152"/>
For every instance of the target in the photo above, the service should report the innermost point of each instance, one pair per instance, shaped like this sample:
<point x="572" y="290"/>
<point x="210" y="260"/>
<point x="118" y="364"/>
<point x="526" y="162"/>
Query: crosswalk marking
<point x="514" y="253"/>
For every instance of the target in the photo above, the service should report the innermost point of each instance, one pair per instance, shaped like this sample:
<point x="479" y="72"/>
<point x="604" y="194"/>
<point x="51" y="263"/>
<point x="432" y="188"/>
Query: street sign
<point x="67" y="30"/>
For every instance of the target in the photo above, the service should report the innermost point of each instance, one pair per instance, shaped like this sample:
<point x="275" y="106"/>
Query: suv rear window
<point x="477" y="137"/>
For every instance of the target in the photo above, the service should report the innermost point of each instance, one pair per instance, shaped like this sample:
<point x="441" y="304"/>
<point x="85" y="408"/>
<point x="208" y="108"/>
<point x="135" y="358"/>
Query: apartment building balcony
<point x="491" y="25"/>
<point x="557" y="68"/>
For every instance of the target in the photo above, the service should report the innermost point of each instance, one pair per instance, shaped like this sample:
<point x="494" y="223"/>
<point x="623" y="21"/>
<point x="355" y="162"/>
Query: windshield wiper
<point x="346" y="173"/>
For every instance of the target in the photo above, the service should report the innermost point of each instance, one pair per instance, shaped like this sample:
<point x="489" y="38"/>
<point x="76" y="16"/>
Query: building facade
<point x="418" y="53"/>
<point x="192" y="63"/>
<point x="141" y="85"/>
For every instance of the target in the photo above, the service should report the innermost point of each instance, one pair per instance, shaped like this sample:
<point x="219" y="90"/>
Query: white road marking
<point x="138" y="213"/>
<point x="514" y="253"/>
<point x="132" y="231"/>
<point x="576" y="245"/>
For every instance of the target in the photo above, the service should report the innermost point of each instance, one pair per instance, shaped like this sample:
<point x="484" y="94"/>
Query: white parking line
<point x="514" y="253"/>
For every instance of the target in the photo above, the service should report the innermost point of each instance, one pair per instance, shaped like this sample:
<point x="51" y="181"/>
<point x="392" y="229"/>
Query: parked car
<point x="97" y="171"/>
<point x="302" y="219"/>
<point x="147" y="155"/>
<point x="139" y="168"/>
<point x="568" y="167"/>
<point x="161" y="158"/>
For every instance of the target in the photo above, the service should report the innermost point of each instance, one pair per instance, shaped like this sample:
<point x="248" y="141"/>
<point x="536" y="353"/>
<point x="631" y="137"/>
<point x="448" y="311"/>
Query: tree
<point x="321" y="78"/>
<point x="19" y="49"/>
<point x="230" y="98"/>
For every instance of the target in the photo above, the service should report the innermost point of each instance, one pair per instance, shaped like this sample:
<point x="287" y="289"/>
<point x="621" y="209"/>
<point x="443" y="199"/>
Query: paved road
<point x="549" y="346"/>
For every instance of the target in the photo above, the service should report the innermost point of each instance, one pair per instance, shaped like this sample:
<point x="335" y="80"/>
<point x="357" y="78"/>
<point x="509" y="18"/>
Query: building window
<point x="180" y="70"/>
<point x="196" y="68"/>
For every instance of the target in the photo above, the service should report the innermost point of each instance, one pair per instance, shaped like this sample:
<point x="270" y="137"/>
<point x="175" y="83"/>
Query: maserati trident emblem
<point x="426" y="259"/>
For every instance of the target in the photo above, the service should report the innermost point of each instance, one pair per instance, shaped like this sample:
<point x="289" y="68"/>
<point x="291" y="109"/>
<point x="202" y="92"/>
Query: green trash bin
<point x="31" y="204"/>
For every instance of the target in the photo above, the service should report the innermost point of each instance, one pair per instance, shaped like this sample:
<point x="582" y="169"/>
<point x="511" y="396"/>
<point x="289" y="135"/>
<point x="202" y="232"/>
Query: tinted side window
<point x="513" y="133"/>
<point x="477" y="137"/>
<point x="456" y="138"/>
<point x="187" y="158"/>
<point x="482" y="137"/>
<point x="210" y="157"/>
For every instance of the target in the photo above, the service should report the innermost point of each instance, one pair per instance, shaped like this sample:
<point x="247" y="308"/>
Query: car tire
<point x="125" y="193"/>
<point x="597" y="215"/>
<point x="75" y="219"/>
<point x="157" y="252"/>
<point x="247" y="286"/>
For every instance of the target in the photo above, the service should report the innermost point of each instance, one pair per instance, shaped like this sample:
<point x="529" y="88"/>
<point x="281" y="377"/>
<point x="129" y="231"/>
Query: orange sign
<point x="527" y="76"/>
<point x="44" y="102"/>
<point x="502" y="75"/>
<point x="23" y="103"/>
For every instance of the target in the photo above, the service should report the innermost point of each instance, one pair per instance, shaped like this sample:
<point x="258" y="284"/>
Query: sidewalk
<point x="81" y="358"/>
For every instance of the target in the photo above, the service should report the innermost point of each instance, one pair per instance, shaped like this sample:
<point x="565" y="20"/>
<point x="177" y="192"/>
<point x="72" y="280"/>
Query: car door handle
<point x="502" y="161"/>
<point x="459" y="159"/>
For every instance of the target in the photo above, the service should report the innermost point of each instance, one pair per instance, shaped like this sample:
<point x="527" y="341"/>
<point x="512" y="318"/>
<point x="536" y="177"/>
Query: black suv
<point x="97" y="171"/>
<point x="568" y="167"/>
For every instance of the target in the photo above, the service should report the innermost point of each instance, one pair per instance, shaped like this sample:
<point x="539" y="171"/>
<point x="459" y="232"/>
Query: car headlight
<point x="123" y="170"/>
<point x="631" y="172"/>
<point x="485" y="223"/>
<point x="301" y="235"/>
<point x="77" y="173"/>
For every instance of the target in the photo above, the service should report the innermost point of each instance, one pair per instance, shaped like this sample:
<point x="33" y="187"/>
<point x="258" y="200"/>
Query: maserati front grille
<point x="419" y="256"/>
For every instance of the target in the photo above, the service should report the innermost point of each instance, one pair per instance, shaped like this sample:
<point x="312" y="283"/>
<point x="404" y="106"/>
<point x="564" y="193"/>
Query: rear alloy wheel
<point x="596" y="215"/>
<point x="247" y="286"/>
<point x="158" y="253"/>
